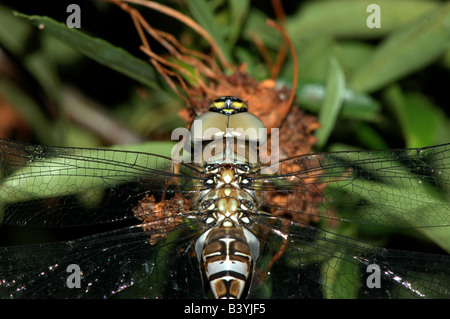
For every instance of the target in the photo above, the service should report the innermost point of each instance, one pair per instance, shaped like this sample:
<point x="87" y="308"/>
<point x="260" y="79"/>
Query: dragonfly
<point x="150" y="226"/>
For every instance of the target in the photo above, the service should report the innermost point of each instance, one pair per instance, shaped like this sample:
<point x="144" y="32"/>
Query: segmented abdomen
<point x="228" y="254"/>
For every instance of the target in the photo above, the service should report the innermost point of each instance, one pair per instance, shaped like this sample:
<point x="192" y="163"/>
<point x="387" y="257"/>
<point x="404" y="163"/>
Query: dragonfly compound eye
<point x="228" y="117"/>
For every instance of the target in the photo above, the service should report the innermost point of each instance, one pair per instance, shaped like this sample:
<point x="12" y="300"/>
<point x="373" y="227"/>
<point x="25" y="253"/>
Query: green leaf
<point x="355" y="105"/>
<point x="238" y="13"/>
<point x="348" y="17"/>
<point x="29" y="109"/>
<point x="98" y="50"/>
<point x="405" y="51"/>
<point x="202" y="13"/>
<point x="257" y="24"/>
<point x="370" y="138"/>
<point x="352" y="55"/>
<point x="15" y="35"/>
<point x="48" y="132"/>
<point x="421" y="122"/>
<point x="314" y="57"/>
<point x="13" y="32"/>
<point x="332" y="103"/>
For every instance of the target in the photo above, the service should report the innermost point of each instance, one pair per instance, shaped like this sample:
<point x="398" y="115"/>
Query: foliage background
<point x="395" y="76"/>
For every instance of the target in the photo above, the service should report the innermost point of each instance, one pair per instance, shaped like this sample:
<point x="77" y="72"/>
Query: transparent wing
<point x="56" y="186"/>
<point x="120" y="263"/>
<point x="320" y="264"/>
<point x="407" y="188"/>
<point x="394" y="188"/>
<point x="400" y="188"/>
<point x="71" y="186"/>
<point x="67" y="187"/>
<point x="314" y="264"/>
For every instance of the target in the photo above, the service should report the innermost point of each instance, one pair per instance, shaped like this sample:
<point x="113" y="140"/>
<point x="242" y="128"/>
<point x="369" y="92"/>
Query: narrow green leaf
<point x="15" y="35"/>
<point x="256" y="24"/>
<point x="98" y="50"/>
<point x="314" y="57"/>
<point x="201" y="11"/>
<point x="238" y="13"/>
<point x="352" y="54"/>
<point x="370" y="137"/>
<point x="421" y="122"/>
<point x="29" y="109"/>
<point x="355" y="105"/>
<point x="13" y="32"/>
<point x="349" y="17"/>
<point x="47" y="132"/>
<point x="410" y="49"/>
<point x="332" y="103"/>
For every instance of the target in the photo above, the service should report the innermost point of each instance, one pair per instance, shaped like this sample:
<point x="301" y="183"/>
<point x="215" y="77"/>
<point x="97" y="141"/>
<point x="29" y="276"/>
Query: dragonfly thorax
<point x="226" y="202"/>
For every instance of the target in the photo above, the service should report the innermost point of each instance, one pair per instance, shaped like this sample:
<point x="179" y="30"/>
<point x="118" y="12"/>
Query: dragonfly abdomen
<point x="227" y="257"/>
